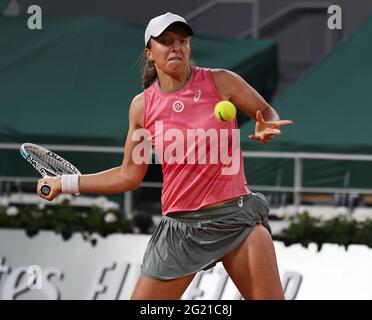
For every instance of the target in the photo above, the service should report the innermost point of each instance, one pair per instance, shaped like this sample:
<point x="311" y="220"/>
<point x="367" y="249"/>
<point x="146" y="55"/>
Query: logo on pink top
<point x="178" y="106"/>
<point x="197" y="95"/>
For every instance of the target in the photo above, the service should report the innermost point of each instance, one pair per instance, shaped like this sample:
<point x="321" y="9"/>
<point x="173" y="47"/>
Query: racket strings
<point x="57" y="166"/>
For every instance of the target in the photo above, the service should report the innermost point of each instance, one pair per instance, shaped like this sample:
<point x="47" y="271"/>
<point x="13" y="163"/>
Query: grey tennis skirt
<point x="186" y="242"/>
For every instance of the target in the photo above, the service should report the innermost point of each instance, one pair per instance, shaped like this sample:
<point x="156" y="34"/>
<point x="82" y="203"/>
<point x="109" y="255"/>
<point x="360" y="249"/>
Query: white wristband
<point x="70" y="183"/>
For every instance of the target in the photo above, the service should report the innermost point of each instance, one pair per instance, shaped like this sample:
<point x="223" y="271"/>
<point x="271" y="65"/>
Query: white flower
<point x="41" y="205"/>
<point x="84" y="214"/>
<point x="360" y="217"/>
<point x="329" y="216"/>
<point x="362" y="214"/>
<point x="110" y="217"/>
<point x="279" y="212"/>
<point x="12" y="211"/>
<point x="100" y="202"/>
<point x="110" y="205"/>
<point x="104" y="204"/>
<point x="289" y="215"/>
<point x="64" y="197"/>
<point x="342" y="211"/>
<point x="4" y="202"/>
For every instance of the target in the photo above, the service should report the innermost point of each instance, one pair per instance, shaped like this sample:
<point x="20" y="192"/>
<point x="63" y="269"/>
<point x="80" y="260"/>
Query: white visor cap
<point x="158" y="24"/>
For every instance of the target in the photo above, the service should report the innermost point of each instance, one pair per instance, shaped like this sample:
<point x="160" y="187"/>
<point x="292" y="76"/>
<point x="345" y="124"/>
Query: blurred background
<point x="67" y="80"/>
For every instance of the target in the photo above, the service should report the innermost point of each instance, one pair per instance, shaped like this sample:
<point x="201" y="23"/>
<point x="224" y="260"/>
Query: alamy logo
<point x="178" y="106"/>
<point x="335" y="20"/>
<point x="189" y="146"/>
<point x="35" y="21"/>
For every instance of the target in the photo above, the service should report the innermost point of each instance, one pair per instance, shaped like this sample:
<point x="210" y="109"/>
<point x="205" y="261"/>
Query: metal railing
<point x="211" y="4"/>
<point x="294" y="9"/>
<point x="298" y="157"/>
<point x="291" y="10"/>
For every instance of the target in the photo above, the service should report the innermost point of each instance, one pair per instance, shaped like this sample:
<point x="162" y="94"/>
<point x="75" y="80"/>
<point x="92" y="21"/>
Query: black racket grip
<point x="45" y="189"/>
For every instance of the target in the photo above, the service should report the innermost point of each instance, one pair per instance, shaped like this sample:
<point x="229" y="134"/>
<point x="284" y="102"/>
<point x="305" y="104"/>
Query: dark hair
<point x="149" y="74"/>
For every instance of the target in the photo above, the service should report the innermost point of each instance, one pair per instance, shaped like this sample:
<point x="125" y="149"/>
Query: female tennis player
<point x="208" y="215"/>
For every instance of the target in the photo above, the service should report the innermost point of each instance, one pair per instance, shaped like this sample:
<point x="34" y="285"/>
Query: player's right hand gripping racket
<point x="47" y="163"/>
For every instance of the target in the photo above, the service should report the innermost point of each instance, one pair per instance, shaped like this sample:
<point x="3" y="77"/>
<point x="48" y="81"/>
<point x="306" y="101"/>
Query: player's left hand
<point x="266" y="130"/>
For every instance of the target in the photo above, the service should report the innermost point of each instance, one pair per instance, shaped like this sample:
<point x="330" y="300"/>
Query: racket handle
<point x="45" y="189"/>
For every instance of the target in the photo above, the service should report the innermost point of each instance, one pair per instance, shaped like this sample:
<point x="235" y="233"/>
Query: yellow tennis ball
<point x="225" y="111"/>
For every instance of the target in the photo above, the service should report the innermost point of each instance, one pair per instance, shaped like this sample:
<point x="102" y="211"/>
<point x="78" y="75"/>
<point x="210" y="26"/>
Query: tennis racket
<point x="47" y="163"/>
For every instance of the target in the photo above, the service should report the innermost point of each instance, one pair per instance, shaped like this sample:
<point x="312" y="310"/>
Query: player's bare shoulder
<point x="223" y="75"/>
<point x="136" y="111"/>
<point x="224" y="81"/>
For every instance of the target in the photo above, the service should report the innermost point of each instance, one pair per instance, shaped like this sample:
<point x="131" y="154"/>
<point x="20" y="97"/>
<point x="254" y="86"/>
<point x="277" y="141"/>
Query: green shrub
<point x="65" y="220"/>
<point x="341" y="230"/>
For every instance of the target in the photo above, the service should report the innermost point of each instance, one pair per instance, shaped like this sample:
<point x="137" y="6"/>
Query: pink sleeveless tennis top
<point x="200" y="156"/>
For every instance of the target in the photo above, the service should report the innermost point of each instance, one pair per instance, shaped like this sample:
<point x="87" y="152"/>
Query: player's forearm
<point x="269" y="114"/>
<point x="111" y="181"/>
